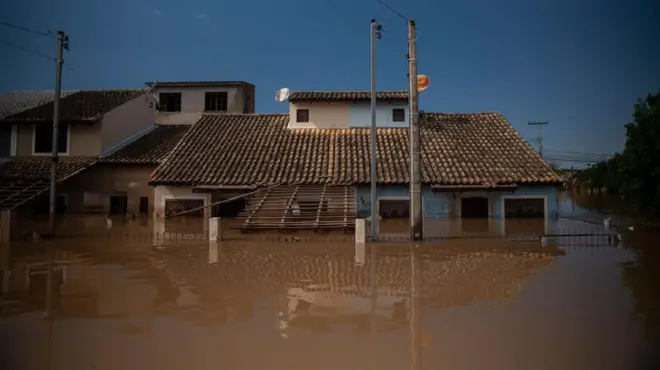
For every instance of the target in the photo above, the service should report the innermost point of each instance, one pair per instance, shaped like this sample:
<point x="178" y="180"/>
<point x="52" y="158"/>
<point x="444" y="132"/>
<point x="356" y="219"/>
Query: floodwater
<point x="123" y="303"/>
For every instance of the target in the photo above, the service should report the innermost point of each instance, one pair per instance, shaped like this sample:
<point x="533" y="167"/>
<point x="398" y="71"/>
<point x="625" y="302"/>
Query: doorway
<point x="394" y="208"/>
<point x="474" y="215"/>
<point x="118" y="205"/>
<point x="524" y="216"/>
<point x="229" y="209"/>
<point x="42" y="205"/>
<point x="144" y="206"/>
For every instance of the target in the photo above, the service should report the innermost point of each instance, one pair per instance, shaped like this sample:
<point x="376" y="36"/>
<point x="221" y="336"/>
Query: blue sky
<point x="578" y="64"/>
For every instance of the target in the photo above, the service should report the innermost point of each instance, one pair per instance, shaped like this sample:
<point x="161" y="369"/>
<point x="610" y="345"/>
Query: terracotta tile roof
<point x="346" y="95"/>
<point x="88" y="105"/>
<point x="150" y="148"/>
<point x="38" y="167"/>
<point x="457" y="149"/>
<point x="18" y="101"/>
<point x="195" y="83"/>
<point x="22" y="179"/>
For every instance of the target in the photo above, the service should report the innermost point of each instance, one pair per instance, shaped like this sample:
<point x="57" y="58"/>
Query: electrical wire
<point x="28" y="30"/>
<point x="27" y="50"/>
<point x="394" y="11"/>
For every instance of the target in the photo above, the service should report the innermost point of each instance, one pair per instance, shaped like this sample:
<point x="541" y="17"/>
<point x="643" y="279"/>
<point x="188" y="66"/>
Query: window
<point x="399" y="115"/>
<point x="170" y="102"/>
<point x="302" y="115"/>
<point x="215" y="101"/>
<point x="43" y="139"/>
<point x="5" y="140"/>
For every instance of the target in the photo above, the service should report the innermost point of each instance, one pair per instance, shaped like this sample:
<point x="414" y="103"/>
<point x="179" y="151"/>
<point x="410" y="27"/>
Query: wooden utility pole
<point x="416" y="227"/>
<point x="62" y="44"/>
<point x="540" y="136"/>
<point x="375" y="33"/>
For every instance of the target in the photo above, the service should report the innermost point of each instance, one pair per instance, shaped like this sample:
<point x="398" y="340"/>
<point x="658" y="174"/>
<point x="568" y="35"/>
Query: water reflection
<point x="462" y="304"/>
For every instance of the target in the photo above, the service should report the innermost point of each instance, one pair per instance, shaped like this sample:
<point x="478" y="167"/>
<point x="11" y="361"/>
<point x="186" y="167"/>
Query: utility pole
<point x="376" y="27"/>
<point x="62" y="44"/>
<point x="416" y="227"/>
<point x="540" y="137"/>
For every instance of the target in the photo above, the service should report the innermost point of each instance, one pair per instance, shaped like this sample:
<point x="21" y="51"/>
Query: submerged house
<point x="93" y="122"/>
<point x="473" y="164"/>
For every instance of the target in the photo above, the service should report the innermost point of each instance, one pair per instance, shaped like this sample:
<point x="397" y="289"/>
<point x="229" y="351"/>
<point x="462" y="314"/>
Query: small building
<point x="183" y="102"/>
<point x="474" y="165"/>
<point x="93" y="123"/>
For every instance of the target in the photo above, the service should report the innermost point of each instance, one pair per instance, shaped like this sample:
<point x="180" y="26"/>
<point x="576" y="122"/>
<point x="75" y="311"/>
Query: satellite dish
<point x="282" y="94"/>
<point x="423" y="82"/>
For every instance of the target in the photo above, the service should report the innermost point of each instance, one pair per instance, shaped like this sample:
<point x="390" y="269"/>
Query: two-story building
<point x="474" y="165"/>
<point x="111" y="140"/>
<point x="184" y="102"/>
<point x="92" y="123"/>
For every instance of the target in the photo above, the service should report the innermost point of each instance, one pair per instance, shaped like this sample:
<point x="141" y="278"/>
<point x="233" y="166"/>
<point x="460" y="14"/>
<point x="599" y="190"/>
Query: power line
<point x="25" y="29"/>
<point x="394" y="11"/>
<point x="27" y="50"/>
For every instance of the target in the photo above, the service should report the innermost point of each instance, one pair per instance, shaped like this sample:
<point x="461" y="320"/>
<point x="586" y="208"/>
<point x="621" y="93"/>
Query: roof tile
<point x="346" y="95"/>
<point x="151" y="148"/>
<point x="456" y="149"/>
<point x="38" y="168"/>
<point x="87" y="105"/>
<point x="18" y="101"/>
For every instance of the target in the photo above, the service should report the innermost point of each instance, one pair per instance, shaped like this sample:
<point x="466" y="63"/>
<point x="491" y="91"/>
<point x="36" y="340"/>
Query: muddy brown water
<point x="126" y="302"/>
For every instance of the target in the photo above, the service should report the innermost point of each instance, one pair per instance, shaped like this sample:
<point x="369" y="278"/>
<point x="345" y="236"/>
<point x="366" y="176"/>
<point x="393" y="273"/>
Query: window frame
<point x="394" y="117"/>
<point x="217" y="95"/>
<point x="162" y="105"/>
<point x="50" y="152"/>
<point x="298" y="118"/>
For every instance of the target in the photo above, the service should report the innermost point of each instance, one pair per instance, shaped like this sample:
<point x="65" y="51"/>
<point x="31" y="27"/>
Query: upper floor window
<point x="215" y="101"/>
<point x="43" y="139"/>
<point x="302" y="115"/>
<point x="170" y="102"/>
<point x="398" y="115"/>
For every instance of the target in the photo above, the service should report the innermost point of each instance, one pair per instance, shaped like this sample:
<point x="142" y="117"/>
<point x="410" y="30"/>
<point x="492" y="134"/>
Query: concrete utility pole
<point x="540" y="137"/>
<point x="416" y="227"/>
<point x="375" y="33"/>
<point x="62" y="44"/>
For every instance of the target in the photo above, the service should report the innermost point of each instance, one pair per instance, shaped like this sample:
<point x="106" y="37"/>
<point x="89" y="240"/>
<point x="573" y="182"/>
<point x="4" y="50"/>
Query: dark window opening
<point x="118" y="205"/>
<point x="170" y="102"/>
<point x="302" y="115"/>
<point x="215" y="101"/>
<point x="43" y="138"/>
<point x="474" y="215"/>
<point x="144" y="205"/>
<point x="474" y="207"/>
<point x="398" y="115"/>
<point x="5" y="140"/>
<point x="524" y="216"/>
<point x="42" y="205"/>
<point x="389" y="209"/>
<point x="228" y="209"/>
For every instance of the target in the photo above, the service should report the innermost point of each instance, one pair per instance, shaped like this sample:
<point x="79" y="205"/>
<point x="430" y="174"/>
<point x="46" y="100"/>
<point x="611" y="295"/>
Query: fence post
<point x="5" y="227"/>
<point x="360" y="231"/>
<point x="215" y="229"/>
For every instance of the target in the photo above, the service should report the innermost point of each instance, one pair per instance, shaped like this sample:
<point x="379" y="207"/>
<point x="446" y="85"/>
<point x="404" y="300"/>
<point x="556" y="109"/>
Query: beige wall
<point x="126" y="120"/>
<point x="192" y="102"/>
<point x="162" y="193"/>
<point x="84" y="139"/>
<point x="90" y="191"/>
<point x="321" y="115"/>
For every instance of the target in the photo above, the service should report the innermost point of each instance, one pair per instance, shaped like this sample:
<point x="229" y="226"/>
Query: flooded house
<point x="313" y="166"/>
<point x="110" y="143"/>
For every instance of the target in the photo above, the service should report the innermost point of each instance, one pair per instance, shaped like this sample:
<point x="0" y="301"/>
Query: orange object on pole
<point x="423" y="82"/>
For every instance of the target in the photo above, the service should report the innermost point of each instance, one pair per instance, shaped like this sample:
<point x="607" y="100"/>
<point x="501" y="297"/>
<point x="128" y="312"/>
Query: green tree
<point x="635" y="173"/>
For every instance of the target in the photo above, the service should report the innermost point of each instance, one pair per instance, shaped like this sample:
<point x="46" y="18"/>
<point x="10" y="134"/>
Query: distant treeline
<point x="633" y="174"/>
